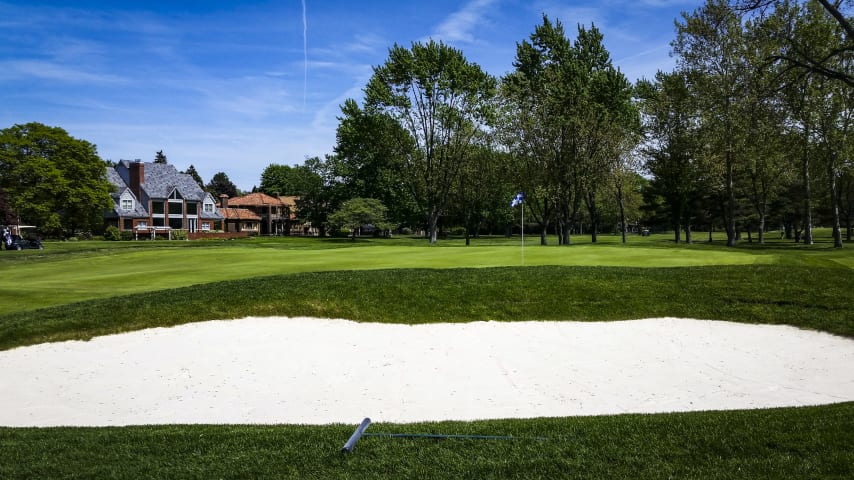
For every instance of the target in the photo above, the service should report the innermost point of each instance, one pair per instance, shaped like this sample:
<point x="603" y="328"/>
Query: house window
<point x="192" y="208"/>
<point x="127" y="224"/>
<point x="157" y="208"/>
<point x="208" y="207"/>
<point x="142" y="224"/>
<point x="176" y="208"/>
<point x="206" y="226"/>
<point x="127" y="204"/>
<point x="176" y="223"/>
<point x="159" y="222"/>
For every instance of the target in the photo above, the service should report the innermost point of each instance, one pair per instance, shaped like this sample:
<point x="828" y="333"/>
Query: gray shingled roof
<point x="159" y="181"/>
<point x="116" y="179"/>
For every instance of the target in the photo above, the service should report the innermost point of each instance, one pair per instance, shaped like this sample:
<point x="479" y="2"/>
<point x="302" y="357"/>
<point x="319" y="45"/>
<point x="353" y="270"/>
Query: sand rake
<point x="360" y="432"/>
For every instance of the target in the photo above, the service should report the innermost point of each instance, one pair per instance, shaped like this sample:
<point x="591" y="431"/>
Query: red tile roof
<point x="262" y="199"/>
<point x="238" y="214"/>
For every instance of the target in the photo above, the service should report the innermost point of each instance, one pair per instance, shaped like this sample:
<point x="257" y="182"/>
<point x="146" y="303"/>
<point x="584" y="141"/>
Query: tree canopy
<point x="52" y="180"/>
<point x="220" y="184"/>
<point x="358" y="212"/>
<point x="442" y="101"/>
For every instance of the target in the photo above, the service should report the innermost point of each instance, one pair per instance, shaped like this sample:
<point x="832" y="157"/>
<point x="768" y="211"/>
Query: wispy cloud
<point x="458" y="26"/>
<point x="46" y="70"/>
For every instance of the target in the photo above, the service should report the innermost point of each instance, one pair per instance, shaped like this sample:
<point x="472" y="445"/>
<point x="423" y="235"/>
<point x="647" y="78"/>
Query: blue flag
<point x="518" y="199"/>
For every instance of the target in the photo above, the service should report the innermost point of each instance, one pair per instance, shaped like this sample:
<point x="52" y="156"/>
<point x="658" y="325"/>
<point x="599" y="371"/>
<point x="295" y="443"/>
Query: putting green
<point x="59" y="280"/>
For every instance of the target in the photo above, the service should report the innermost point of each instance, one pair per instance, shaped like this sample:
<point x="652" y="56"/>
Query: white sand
<point x="316" y="371"/>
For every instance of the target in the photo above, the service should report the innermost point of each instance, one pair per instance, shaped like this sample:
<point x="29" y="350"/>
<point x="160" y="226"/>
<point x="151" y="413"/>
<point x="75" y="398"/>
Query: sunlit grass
<point x="73" y="272"/>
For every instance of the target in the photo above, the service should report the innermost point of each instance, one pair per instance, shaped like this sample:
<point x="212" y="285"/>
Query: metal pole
<point x="447" y="437"/>
<point x="348" y="447"/>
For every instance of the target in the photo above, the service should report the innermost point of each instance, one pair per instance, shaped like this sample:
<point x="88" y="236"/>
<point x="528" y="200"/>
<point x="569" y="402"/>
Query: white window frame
<point x="209" y="207"/>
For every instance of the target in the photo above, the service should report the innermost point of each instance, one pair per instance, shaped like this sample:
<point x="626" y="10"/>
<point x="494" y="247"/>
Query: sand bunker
<point x="317" y="371"/>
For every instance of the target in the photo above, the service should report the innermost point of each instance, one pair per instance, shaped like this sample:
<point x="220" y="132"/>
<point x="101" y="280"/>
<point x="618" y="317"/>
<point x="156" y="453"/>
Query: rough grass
<point x="794" y="443"/>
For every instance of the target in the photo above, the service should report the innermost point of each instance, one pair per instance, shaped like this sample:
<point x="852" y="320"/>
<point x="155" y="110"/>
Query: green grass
<point x="793" y="443"/>
<point x="75" y="271"/>
<point x="77" y="290"/>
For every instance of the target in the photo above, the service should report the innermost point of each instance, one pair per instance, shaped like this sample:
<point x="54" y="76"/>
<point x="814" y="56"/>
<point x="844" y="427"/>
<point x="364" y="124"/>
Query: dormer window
<point x="127" y="204"/>
<point x="209" y="207"/>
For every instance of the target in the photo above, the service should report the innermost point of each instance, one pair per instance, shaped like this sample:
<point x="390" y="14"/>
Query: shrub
<point x="112" y="234"/>
<point x="179" y="234"/>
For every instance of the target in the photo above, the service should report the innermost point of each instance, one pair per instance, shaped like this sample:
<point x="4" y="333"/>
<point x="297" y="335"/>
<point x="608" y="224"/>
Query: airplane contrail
<point x="305" y="55"/>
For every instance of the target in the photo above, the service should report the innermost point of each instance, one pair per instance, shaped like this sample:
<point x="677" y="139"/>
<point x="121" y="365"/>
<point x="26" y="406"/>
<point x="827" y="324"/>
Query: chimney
<point x="223" y="201"/>
<point x="137" y="178"/>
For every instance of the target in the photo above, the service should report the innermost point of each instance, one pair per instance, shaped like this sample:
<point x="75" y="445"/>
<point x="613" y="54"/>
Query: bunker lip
<point x="319" y="371"/>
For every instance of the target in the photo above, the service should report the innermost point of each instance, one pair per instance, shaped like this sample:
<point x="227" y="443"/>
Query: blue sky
<point x="235" y="86"/>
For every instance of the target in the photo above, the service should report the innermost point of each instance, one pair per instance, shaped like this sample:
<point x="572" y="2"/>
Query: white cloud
<point x="459" y="25"/>
<point x="37" y="69"/>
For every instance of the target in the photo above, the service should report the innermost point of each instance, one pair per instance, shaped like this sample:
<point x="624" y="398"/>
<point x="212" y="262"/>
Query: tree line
<point x="749" y="133"/>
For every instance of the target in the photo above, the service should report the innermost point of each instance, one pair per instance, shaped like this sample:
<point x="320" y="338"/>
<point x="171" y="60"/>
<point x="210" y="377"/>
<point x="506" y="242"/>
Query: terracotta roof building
<point x="276" y="214"/>
<point x="239" y="219"/>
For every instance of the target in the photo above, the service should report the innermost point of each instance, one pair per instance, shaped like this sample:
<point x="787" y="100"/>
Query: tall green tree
<point x="671" y="150"/>
<point x="52" y="179"/>
<point x="320" y="194"/>
<point x="569" y="113"/>
<point x="286" y="179"/>
<point x="710" y="49"/>
<point x="160" y="157"/>
<point x="191" y="171"/>
<point x="442" y="101"/>
<point x="367" y="162"/>
<point x="221" y="184"/>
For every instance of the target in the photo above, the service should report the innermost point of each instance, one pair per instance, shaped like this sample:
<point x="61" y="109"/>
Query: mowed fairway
<point x="60" y="279"/>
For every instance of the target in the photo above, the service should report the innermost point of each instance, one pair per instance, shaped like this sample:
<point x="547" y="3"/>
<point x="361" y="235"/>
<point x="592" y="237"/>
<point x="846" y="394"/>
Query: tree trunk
<point x="731" y="238"/>
<point x="688" y="232"/>
<point x="762" y="227"/>
<point x="807" y="235"/>
<point x="567" y="228"/>
<point x="544" y="234"/>
<point x="594" y="216"/>
<point x="433" y="226"/>
<point x="834" y="201"/>
<point x="621" y="203"/>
